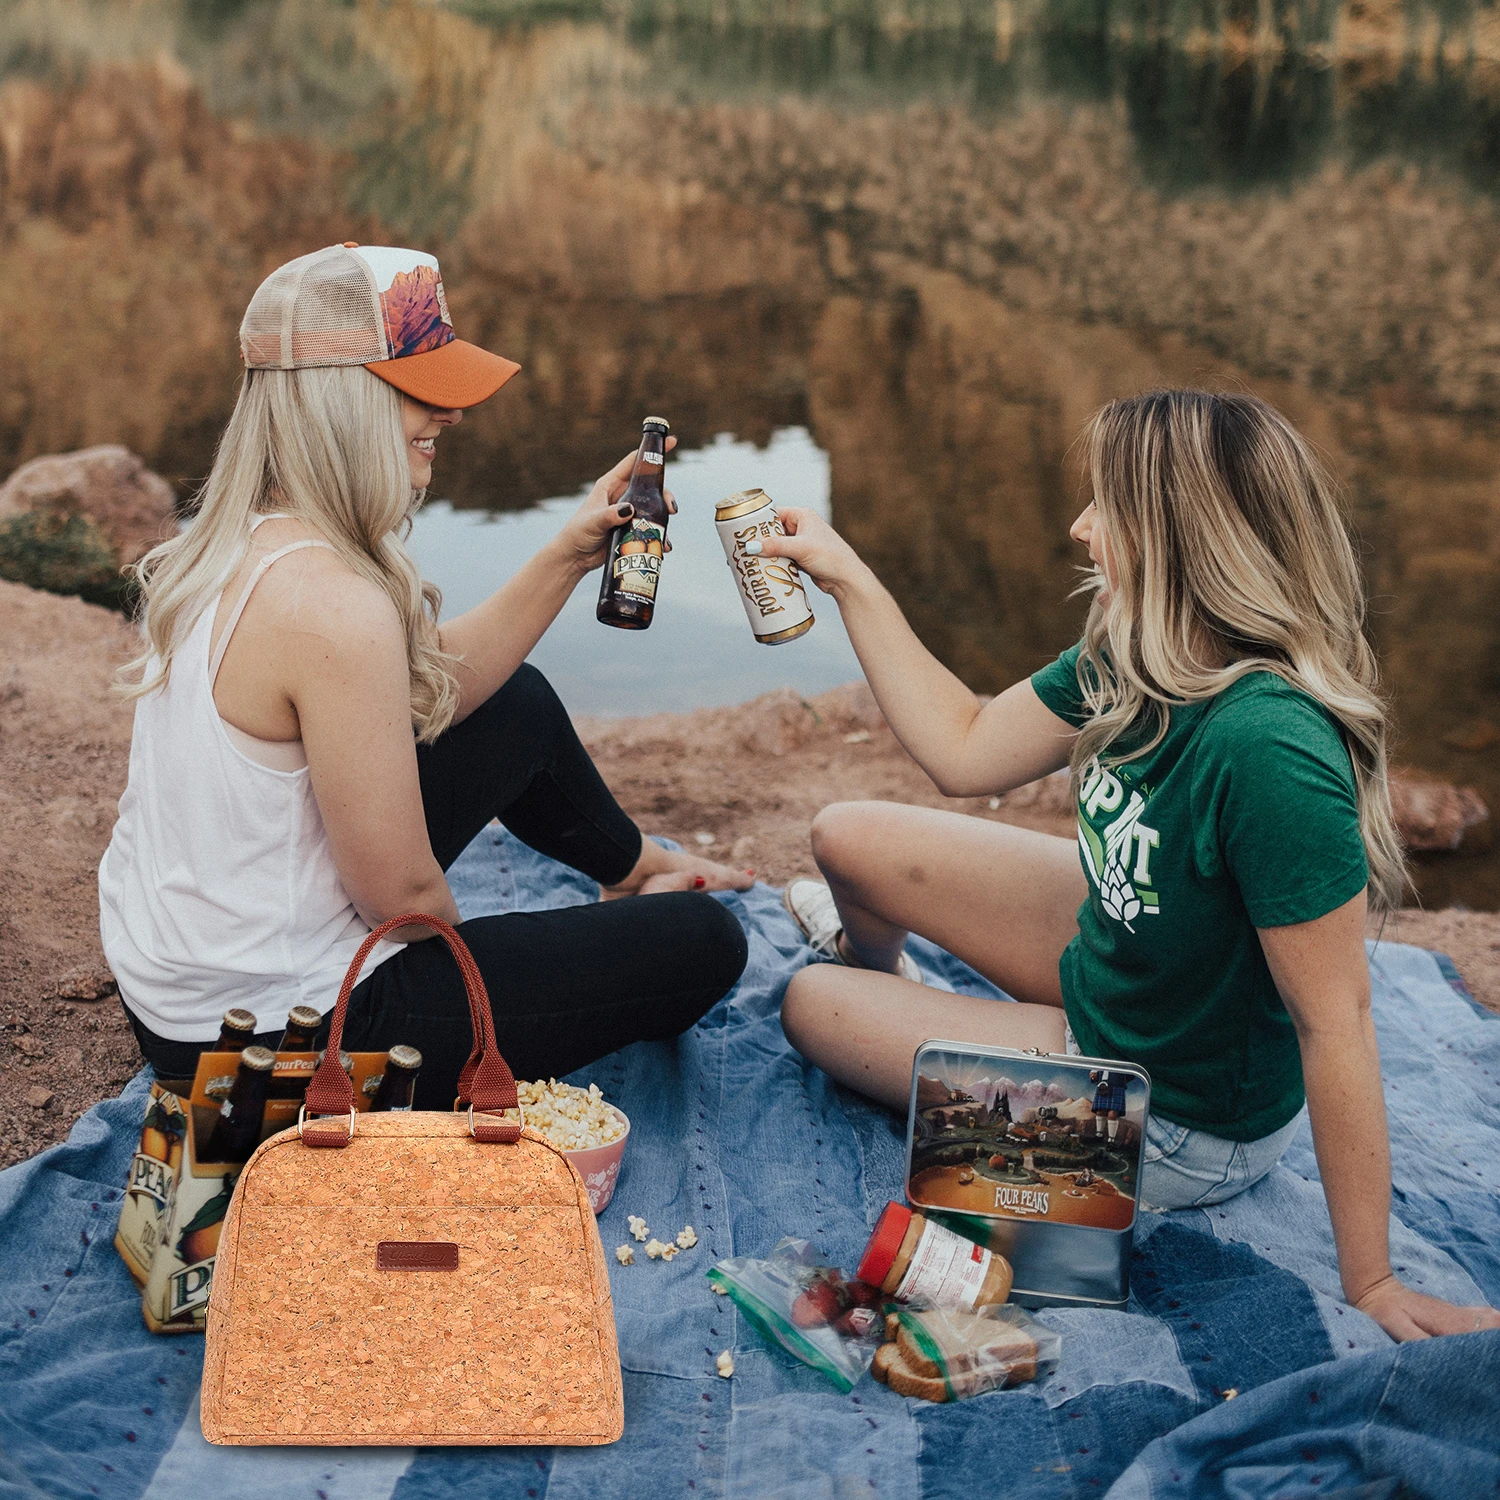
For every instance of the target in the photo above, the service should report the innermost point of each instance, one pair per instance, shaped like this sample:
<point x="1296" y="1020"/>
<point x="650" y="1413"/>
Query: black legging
<point x="566" y="986"/>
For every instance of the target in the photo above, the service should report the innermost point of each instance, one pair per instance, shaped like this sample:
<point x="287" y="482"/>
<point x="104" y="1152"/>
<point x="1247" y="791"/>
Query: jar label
<point x="946" y="1270"/>
<point x="637" y="565"/>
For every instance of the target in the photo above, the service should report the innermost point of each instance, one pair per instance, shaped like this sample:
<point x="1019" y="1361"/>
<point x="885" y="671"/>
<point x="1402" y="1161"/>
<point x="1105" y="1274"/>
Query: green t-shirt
<point x="1244" y="816"/>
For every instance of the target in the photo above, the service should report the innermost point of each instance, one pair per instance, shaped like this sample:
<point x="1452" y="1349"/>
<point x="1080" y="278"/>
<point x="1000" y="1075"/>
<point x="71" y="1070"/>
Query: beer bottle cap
<point x="345" y="1060"/>
<point x="239" y="1020"/>
<point x="260" y="1059"/>
<point x="304" y="1017"/>
<point x="661" y="422"/>
<point x="405" y="1057"/>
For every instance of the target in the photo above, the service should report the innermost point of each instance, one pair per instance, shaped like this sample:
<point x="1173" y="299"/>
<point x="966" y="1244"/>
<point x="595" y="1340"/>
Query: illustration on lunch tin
<point x="1024" y="1138"/>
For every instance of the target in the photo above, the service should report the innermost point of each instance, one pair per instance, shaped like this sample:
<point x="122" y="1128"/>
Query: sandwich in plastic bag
<point x="946" y="1355"/>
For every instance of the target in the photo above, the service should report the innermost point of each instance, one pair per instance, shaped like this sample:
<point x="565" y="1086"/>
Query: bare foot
<point x="661" y="869"/>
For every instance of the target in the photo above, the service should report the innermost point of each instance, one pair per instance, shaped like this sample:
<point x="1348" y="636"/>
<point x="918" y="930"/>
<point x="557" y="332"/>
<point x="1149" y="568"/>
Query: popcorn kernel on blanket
<point x="638" y="1227"/>
<point x="625" y="1255"/>
<point x="724" y="1364"/>
<point x="687" y="1237"/>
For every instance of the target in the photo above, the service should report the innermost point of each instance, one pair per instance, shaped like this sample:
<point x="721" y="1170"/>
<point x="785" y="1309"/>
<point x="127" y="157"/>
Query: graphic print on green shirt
<point x="1118" y="861"/>
<point x="1243" y="816"/>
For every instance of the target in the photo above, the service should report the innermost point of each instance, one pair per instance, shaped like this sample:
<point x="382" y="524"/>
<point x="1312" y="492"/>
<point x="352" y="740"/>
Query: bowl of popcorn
<point x="587" y="1130"/>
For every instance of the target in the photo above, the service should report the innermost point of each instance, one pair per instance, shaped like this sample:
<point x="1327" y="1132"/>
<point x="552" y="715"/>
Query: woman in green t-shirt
<point x="1226" y="740"/>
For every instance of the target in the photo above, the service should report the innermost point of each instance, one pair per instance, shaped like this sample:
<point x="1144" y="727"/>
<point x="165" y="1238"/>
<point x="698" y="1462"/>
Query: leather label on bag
<point x="416" y="1255"/>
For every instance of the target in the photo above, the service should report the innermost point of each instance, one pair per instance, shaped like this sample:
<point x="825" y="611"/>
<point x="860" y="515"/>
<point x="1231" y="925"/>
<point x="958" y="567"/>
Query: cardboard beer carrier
<point x="1034" y="1155"/>
<point x="176" y="1197"/>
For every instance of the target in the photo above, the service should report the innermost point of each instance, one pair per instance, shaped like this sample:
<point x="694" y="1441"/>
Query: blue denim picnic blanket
<point x="733" y="1134"/>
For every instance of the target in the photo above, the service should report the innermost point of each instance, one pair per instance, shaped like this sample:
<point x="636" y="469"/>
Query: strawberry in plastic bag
<point x="807" y="1308"/>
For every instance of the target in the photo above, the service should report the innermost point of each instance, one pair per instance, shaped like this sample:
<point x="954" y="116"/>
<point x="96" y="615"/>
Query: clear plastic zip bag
<point x="811" y="1310"/>
<point x="946" y="1355"/>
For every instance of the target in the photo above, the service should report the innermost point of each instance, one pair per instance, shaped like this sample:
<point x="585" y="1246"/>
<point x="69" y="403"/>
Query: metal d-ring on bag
<point x="415" y="1278"/>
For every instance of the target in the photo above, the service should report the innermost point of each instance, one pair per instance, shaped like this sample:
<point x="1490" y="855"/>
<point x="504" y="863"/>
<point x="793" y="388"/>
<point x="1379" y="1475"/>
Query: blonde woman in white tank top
<point x="312" y="748"/>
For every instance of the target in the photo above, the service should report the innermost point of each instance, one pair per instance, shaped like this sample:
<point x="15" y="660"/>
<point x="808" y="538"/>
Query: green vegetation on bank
<point x="64" y="554"/>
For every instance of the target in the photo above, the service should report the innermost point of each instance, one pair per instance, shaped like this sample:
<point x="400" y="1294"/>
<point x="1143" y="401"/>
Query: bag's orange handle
<point x="486" y="1083"/>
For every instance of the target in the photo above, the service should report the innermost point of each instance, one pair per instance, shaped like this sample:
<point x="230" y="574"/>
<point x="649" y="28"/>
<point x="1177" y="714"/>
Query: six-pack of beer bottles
<point x="198" y="1133"/>
<point x="243" y="1094"/>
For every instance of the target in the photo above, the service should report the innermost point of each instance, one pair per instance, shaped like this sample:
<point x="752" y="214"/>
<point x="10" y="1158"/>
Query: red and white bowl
<point x="599" y="1166"/>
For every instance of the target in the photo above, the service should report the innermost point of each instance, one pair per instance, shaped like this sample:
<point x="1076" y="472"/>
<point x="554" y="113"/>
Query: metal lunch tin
<point x="1036" y="1155"/>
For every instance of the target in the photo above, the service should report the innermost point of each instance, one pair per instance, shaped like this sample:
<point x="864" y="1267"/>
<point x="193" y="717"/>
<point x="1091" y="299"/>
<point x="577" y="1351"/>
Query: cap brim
<point x="459" y="374"/>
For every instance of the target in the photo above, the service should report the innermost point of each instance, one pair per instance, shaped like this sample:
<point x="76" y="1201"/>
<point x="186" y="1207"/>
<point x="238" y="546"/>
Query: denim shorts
<point x="1186" y="1168"/>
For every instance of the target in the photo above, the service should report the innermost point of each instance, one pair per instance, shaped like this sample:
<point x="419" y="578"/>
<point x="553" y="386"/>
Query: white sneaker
<point x="810" y="905"/>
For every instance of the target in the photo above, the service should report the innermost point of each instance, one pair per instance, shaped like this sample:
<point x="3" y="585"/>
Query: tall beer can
<point x="770" y="587"/>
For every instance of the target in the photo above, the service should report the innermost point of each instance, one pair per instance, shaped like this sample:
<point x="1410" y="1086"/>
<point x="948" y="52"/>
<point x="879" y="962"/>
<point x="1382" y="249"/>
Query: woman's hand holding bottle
<point x="584" y="539"/>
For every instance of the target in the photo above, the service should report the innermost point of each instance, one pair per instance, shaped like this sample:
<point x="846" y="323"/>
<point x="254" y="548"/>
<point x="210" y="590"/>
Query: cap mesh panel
<point x="263" y="324"/>
<point x="319" y="310"/>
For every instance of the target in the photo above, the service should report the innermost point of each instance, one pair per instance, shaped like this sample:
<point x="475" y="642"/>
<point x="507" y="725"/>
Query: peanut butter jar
<point x="919" y="1262"/>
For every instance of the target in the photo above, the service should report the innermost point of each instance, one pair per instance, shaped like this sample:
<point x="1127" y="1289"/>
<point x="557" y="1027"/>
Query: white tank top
<point x="218" y="887"/>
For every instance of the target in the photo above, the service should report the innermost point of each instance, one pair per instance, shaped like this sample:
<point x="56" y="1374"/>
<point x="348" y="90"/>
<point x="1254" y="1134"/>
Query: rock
<point x="776" y="722"/>
<point x="38" y="1097"/>
<point x="1435" y="815"/>
<point x="849" y="708"/>
<point x="88" y="982"/>
<point x="133" y="508"/>
<point x="1476" y="735"/>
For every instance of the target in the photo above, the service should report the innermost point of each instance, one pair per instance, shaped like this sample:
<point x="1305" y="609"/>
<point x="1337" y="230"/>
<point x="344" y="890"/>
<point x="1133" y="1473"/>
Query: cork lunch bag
<point x="413" y="1278"/>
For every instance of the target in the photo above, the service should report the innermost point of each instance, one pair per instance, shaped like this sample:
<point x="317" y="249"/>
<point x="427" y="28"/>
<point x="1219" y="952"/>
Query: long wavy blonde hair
<point x="328" y="446"/>
<point x="1230" y="555"/>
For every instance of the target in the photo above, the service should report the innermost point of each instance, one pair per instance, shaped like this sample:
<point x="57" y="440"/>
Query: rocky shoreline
<point x="740" y="783"/>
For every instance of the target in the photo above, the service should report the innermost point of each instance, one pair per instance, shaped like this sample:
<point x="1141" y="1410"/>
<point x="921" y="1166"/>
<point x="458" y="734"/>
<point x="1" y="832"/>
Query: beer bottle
<point x="627" y="594"/>
<point x="402" y="1064"/>
<point x="302" y="1023"/>
<point x="235" y="1031"/>
<point x="236" y="1132"/>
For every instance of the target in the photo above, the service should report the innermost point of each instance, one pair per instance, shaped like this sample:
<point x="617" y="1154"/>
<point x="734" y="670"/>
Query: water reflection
<point x="1208" y="114"/>
<point x="1198" y="121"/>
<point x="934" y="249"/>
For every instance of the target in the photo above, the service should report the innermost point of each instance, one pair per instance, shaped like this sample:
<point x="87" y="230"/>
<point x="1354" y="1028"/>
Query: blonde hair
<point x="326" y="445"/>
<point x="1229" y="555"/>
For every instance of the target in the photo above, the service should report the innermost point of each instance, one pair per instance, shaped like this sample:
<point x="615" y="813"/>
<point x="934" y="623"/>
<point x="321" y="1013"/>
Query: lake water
<point x="882" y="260"/>
<point x="699" y="650"/>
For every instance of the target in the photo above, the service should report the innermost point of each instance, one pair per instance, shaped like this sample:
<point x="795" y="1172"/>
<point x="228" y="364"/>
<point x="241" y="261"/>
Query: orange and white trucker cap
<point x="370" y="305"/>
